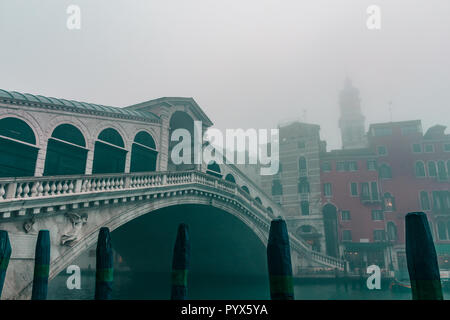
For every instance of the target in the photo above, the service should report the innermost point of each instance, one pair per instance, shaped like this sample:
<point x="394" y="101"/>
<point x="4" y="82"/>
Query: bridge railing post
<point x="78" y="185"/>
<point x="164" y="179"/>
<point x="11" y="190"/>
<point x="127" y="182"/>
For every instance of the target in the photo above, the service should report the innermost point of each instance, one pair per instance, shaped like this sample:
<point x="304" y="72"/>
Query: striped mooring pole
<point x="41" y="266"/>
<point x="421" y="258"/>
<point x="104" y="266"/>
<point x="180" y="263"/>
<point x="5" y="254"/>
<point x="279" y="261"/>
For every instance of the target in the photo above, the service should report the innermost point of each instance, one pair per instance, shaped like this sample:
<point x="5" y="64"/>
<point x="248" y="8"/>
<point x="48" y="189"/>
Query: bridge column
<point x="163" y="155"/>
<point x="40" y="162"/>
<point x="89" y="162"/>
<point x="128" y="162"/>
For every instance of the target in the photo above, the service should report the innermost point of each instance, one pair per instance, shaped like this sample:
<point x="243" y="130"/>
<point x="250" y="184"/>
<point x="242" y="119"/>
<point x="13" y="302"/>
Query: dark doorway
<point x="18" y="150"/>
<point x="331" y="230"/>
<point x="66" y="152"/>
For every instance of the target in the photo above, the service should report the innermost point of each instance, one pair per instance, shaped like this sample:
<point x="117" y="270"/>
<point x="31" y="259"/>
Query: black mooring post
<point x="279" y="261"/>
<point x="41" y="266"/>
<point x="422" y="260"/>
<point x="5" y="254"/>
<point x="180" y="263"/>
<point x="104" y="266"/>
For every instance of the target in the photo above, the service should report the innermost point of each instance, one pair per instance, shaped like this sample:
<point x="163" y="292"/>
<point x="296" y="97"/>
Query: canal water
<point x="156" y="286"/>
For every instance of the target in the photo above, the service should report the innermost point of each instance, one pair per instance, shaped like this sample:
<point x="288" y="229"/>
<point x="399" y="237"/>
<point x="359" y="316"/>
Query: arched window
<point x="442" y="232"/>
<point x="18" y="150"/>
<point x="442" y="172"/>
<point x="277" y="188"/>
<point x="302" y="164"/>
<point x="432" y="171"/>
<point x="269" y="209"/>
<point x="109" y="153"/>
<point x="305" y="207"/>
<point x="182" y="120"/>
<point x="143" y="153"/>
<point x="303" y="185"/>
<point x="420" y="169"/>
<point x="245" y="188"/>
<point x="66" y="152"/>
<point x="391" y="231"/>
<point x="214" y="169"/>
<point x="385" y="171"/>
<point x="424" y="200"/>
<point x="229" y="177"/>
<point x="257" y="199"/>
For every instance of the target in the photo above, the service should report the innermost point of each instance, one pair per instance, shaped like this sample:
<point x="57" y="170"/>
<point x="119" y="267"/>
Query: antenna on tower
<point x="305" y="115"/>
<point x="390" y="110"/>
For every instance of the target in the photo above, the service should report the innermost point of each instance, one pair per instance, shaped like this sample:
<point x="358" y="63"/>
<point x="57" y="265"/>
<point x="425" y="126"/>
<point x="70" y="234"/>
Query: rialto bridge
<point x="73" y="167"/>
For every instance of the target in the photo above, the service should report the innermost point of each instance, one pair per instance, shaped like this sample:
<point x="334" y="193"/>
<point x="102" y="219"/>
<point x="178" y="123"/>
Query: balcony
<point x="371" y="199"/>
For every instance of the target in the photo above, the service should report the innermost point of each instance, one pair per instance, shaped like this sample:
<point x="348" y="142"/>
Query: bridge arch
<point x="66" y="151"/>
<point x="18" y="148"/>
<point x="109" y="152"/>
<point x="143" y="153"/>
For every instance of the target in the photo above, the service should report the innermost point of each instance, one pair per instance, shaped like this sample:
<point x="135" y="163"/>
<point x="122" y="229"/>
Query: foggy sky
<point x="247" y="63"/>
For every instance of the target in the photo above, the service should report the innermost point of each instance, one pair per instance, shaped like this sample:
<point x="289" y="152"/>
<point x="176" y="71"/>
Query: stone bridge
<point x="72" y="167"/>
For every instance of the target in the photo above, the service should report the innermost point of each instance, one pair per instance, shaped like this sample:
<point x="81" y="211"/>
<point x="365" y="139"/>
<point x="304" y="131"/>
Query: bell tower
<point x="352" y="120"/>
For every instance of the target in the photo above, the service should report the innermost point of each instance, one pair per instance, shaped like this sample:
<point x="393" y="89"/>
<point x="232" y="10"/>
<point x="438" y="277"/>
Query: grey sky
<point x="248" y="63"/>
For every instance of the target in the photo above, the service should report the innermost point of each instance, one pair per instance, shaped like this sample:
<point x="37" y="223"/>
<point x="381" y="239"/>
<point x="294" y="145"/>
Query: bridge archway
<point x="66" y="152"/>
<point x="143" y="153"/>
<point x="18" y="149"/>
<point x="109" y="153"/>
<point x="181" y="120"/>
<point x="229" y="177"/>
<point x="331" y="230"/>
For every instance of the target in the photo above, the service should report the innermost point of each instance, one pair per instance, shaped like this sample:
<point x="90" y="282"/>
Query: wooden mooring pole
<point x="104" y="266"/>
<point x="41" y="266"/>
<point x="279" y="262"/>
<point x="180" y="263"/>
<point x="421" y="258"/>
<point x="5" y="254"/>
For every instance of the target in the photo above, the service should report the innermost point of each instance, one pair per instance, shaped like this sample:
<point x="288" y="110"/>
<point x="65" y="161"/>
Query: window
<point x="417" y="148"/>
<point x="429" y="148"/>
<point x="410" y="129"/>
<point x="447" y="147"/>
<point x="374" y="187"/>
<point x="388" y="202"/>
<point x="391" y="231"/>
<point x="301" y="145"/>
<point x="305" y="208"/>
<point x="303" y="185"/>
<point x="340" y="166"/>
<point x="277" y="188"/>
<point x="381" y="150"/>
<point x="380" y="132"/>
<point x="302" y="163"/>
<point x="354" y="189"/>
<point x="327" y="189"/>
<point x="424" y="200"/>
<point x="385" y="171"/>
<point x="353" y="165"/>
<point x="345" y="215"/>
<point x="371" y="165"/>
<point x="346" y="235"/>
<point x="365" y="190"/>
<point x="442" y="172"/>
<point x="378" y="235"/>
<point x="420" y="169"/>
<point x="326" y="166"/>
<point x="432" y="171"/>
<point x="377" y="215"/>
<point x="442" y="230"/>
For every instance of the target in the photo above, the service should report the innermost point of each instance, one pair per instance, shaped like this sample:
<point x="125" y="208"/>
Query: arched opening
<point x="214" y="170"/>
<point x="143" y="153"/>
<point x="331" y="230"/>
<point x="442" y="172"/>
<point x="181" y="120"/>
<point x="310" y="235"/>
<point x="66" y="152"/>
<point x="18" y="150"/>
<point x="221" y="266"/>
<point x="229" y="177"/>
<point x="432" y="169"/>
<point x="109" y="154"/>
<point x="419" y="169"/>
<point x="269" y="209"/>
<point x="245" y="188"/>
<point x="257" y="199"/>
